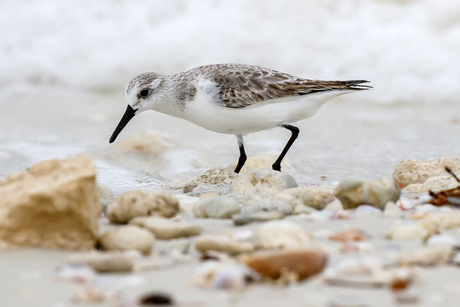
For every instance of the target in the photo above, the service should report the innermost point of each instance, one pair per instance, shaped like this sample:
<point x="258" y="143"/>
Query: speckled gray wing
<point x="246" y="85"/>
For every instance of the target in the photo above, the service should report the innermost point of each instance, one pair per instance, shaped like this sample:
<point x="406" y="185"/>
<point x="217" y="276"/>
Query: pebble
<point x="103" y="262"/>
<point x="302" y="209"/>
<point x="442" y="239"/>
<point x="216" y="180"/>
<point x="350" y="235"/>
<point x="439" y="183"/>
<point x="302" y="263"/>
<point x="220" y="207"/>
<point x="353" y="192"/>
<point x="366" y="209"/>
<point x="311" y="196"/>
<point x="242" y="219"/>
<point x="414" y="171"/>
<point x="428" y="256"/>
<point x="165" y="229"/>
<point x="283" y="235"/>
<point x="268" y="204"/>
<point x="124" y="238"/>
<point x="392" y="210"/>
<point x="415" y="188"/>
<point x="447" y="220"/>
<point x="410" y="232"/>
<point x="142" y="203"/>
<point x="265" y="182"/>
<point x="334" y="206"/>
<point x="222" y="243"/>
<point x="321" y="216"/>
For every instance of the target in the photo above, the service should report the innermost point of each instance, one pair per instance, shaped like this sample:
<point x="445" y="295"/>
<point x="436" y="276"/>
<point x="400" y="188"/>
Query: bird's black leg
<point x="243" y="157"/>
<point x="295" y="133"/>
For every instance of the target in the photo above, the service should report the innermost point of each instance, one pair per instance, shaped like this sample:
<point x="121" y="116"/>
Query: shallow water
<point x="344" y="139"/>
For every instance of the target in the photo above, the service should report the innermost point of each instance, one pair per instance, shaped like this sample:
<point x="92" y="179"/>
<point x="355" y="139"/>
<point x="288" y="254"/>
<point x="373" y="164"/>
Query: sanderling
<point x="233" y="99"/>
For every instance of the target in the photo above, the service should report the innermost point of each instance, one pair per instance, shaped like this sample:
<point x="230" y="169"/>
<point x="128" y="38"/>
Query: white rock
<point x="312" y="196"/>
<point x="142" y="203"/>
<point x="392" y="210"/>
<point x="334" y="206"/>
<point x="125" y="238"/>
<point x="105" y="261"/>
<point x="447" y="220"/>
<point x="222" y="243"/>
<point x="415" y="188"/>
<point x="165" y="229"/>
<point x="425" y="208"/>
<point x="264" y="182"/>
<point x="353" y="192"/>
<point x="216" y="180"/>
<point x="429" y="256"/>
<point x="442" y="239"/>
<point x="220" y="207"/>
<point x="439" y="183"/>
<point x="414" y="171"/>
<point x="283" y="235"/>
<point x="420" y="230"/>
<point x="366" y="209"/>
<point x="268" y="205"/>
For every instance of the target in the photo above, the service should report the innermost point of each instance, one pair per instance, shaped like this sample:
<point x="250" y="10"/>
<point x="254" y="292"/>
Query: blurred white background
<point x="408" y="48"/>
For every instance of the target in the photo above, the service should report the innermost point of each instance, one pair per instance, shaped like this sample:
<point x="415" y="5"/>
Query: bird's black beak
<point x="129" y="113"/>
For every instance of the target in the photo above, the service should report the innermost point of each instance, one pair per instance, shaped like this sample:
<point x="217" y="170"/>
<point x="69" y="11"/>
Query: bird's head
<point x="141" y="95"/>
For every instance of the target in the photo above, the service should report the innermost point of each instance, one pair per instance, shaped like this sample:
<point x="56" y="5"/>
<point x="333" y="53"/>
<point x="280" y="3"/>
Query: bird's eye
<point x="144" y="93"/>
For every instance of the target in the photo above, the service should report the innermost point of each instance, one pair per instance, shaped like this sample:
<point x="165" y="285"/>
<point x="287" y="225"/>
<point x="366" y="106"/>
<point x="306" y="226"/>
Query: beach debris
<point x="54" y="204"/>
<point x="103" y="262"/>
<point x="142" y="203"/>
<point x="311" y="196"/>
<point x="123" y="238"/>
<point x="224" y="275"/>
<point x="353" y="192"/>
<point x="222" y="243"/>
<point x="243" y="219"/>
<point x="297" y="263"/>
<point x="262" y="182"/>
<point x="219" y="207"/>
<point x="350" y="235"/>
<point x="216" y="180"/>
<point x="429" y="256"/>
<point x="156" y="299"/>
<point x="166" y="229"/>
<point x="283" y="235"/>
<point x="413" y="231"/>
<point x="447" y="197"/>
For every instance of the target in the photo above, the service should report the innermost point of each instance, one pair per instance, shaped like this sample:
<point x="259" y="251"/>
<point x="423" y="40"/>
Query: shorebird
<point x="233" y="99"/>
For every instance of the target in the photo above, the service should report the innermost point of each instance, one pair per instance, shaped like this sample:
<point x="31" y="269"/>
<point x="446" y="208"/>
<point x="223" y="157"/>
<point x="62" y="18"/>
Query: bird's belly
<point x="215" y="117"/>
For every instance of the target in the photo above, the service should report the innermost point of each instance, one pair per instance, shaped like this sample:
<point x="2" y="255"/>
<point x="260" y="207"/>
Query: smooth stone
<point x="312" y="196"/>
<point x="447" y="220"/>
<point x="353" y="192"/>
<point x="220" y="207"/>
<point x="414" y="171"/>
<point x="421" y="230"/>
<point x="301" y="262"/>
<point x="262" y="181"/>
<point x="123" y="238"/>
<point x="54" y="204"/>
<point x="283" y="234"/>
<point x="268" y="205"/>
<point x="429" y="256"/>
<point x="242" y="219"/>
<point x="103" y="262"/>
<point x="334" y="206"/>
<point x="165" y="229"/>
<point x="222" y="243"/>
<point x="142" y="203"/>
<point x="442" y="239"/>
